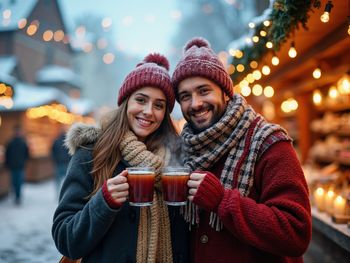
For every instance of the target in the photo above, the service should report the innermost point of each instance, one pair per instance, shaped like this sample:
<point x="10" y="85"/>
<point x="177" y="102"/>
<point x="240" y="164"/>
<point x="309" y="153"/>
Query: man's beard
<point x="214" y="119"/>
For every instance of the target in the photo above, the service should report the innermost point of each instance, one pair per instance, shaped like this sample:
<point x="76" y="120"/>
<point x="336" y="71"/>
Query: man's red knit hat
<point x="153" y="72"/>
<point x="199" y="60"/>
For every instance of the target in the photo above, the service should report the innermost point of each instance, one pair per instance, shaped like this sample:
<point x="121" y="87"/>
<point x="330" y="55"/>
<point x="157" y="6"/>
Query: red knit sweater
<point x="272" y="224"/>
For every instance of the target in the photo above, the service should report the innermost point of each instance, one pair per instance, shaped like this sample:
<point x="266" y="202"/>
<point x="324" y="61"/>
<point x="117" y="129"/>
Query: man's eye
<point x="184" y="97"/>
<point x="204" y="91"/>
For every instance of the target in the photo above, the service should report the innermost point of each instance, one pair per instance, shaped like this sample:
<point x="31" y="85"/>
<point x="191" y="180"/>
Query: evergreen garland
<point x="285" y="18"/>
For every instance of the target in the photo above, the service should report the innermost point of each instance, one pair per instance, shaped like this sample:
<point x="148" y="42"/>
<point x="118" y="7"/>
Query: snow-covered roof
<point x="9" y="80"/>
<point x="7" y="64"/>
<point x="19" y="9"/>
<point x="58" y="74"/>
<point x="28" y="96"/>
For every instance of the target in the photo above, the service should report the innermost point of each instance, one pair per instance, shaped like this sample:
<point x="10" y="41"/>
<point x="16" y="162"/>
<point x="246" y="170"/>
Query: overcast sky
<point x="139" y="27"/>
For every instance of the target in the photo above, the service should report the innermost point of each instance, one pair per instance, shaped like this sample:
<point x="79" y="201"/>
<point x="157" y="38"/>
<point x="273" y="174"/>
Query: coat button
<point x="204" y="239"/>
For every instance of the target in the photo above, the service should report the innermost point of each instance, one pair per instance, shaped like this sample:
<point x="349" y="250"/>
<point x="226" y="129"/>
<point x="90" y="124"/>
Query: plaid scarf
<point x="238" y="126"/>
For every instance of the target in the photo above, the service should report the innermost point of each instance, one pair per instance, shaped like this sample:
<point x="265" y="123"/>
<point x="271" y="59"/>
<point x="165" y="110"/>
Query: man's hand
<point x="193" y="184"/>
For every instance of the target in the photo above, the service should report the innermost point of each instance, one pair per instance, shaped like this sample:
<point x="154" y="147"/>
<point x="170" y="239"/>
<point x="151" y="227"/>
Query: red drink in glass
<point x="174" y="183"/>
<point x="141" y="185"/>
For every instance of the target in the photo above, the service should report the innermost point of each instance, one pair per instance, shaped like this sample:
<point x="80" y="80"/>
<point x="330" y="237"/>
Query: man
<point x="16" y="156"/>
<point x="249" y="198"/>
<point x="61" y="159"/>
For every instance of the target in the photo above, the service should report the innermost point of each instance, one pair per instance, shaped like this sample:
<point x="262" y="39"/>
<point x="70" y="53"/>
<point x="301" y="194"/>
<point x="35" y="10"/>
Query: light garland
<point x="327" y="10"/>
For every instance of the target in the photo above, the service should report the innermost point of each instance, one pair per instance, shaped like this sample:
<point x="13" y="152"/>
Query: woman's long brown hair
<point x="106" y="151"/>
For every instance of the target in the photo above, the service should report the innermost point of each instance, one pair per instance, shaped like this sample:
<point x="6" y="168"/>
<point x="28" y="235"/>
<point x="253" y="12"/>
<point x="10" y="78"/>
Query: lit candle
<point x="339" y="205"/>
<point x="319" y="198"/>
<point x="329" y="198"/>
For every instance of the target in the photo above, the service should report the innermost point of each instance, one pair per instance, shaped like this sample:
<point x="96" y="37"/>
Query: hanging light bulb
<point x="317" y="73"/>
<point x="275" y="60"/>
<point x="325" y="16"/>
<point x="349" y="25"/>
<point x="317" y="97"/>
<point x="292" y="52"/>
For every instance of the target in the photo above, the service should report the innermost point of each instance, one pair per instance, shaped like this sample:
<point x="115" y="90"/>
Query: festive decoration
<point x="284" y="18"/>
<point x="325" y="16"/>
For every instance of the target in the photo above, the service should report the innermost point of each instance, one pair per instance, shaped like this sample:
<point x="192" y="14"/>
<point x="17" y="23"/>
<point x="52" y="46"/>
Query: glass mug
<point x="174" y="184"/>
<point x="141" y="185"/>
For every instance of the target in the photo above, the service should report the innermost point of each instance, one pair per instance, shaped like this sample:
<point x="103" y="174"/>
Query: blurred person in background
<point x="93" y="221"/>
<point x="248" y="195"/>
<point x="61" y="158"/>
<point x="16" y="156"/>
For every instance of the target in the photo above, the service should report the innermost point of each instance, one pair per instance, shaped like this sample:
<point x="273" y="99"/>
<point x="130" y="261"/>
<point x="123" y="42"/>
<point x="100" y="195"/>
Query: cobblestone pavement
<point x="25" y="230"/>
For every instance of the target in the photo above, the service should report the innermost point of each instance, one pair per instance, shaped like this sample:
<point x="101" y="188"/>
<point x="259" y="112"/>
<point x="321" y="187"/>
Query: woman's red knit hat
<point x="153" y="72"/>
<point x="199" y="60"/>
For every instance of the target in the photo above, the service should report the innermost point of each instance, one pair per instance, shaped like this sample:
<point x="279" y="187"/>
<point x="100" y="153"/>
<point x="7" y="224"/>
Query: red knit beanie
<point x="199" y="60"/>
<point x="153" y="72"/>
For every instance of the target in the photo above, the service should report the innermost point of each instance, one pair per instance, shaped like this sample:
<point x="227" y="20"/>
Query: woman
<point x="93" y="221"/>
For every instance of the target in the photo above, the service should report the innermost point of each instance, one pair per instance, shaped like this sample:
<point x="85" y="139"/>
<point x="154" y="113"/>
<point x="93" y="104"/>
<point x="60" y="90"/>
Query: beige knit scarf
<point x="154" y="236"/>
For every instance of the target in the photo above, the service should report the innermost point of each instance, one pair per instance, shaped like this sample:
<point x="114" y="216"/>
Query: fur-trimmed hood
<point x="81" y="134"/>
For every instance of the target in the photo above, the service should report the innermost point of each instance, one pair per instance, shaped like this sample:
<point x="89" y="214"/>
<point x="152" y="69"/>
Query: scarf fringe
<point x="215" y="222"/>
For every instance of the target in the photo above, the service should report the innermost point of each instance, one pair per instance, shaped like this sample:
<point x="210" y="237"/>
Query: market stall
<point x="295" y="70"/>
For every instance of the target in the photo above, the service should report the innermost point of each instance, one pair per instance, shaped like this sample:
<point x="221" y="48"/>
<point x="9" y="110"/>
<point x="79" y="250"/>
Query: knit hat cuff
<point x="152" y="79"/>
<point x="152" y="72"/>
<point x="202" y="68"/>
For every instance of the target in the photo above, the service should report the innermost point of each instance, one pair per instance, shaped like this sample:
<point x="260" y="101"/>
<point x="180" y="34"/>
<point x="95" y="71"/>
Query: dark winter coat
<point x="16" y="154"/>
<point x="90" y="229"/>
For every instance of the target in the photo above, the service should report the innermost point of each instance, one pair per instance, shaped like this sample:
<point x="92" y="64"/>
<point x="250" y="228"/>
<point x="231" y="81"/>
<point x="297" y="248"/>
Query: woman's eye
<point x="159" y="106"/>
<point x="140" y="100"/>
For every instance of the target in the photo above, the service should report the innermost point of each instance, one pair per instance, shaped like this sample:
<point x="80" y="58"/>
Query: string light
<point x="269" y="44"/>
<point x="240" y="67"/>
<point x="269" y="92"/>
<point x="349" y="25"/>
<point x="255" y="39"/>
<point x="263" y="33"/>
<point x="292" y="53"/>
<point x="267" y="23"/>
<point x="253" y="64"/>
<point x="275" y="60"/>
<point x="108" y="58"/>
<point x="325" y="16"/>
<point x="251" y="25"/>
<point x="317" y="73"/>
<point x="317" y="97"/>
<point x="289" y="105"/>
<point x="266" y="70"/>
<point x="333" y="92"/>
<point x="257" y="90"/>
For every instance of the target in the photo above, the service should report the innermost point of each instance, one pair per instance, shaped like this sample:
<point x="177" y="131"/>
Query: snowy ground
<point x="25" y="230"/>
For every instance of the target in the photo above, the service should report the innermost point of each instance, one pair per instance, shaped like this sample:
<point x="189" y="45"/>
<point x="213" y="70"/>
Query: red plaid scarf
<point x="229" y="136"/>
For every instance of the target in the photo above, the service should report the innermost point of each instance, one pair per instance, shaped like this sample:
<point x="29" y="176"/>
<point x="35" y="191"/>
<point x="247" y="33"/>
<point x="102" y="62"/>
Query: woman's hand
<point x="118" y="187"/>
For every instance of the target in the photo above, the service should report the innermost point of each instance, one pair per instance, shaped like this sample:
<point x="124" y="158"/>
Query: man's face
<point x="202" y="102"/>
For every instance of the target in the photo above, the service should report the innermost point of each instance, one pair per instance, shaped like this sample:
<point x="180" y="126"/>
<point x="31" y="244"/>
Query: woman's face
<point x="145" y="111"/>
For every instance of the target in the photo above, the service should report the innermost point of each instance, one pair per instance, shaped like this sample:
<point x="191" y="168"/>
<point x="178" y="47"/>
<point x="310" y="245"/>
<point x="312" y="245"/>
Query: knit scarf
<point x="229" y="136"/>
<point x="154" y="236"/>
